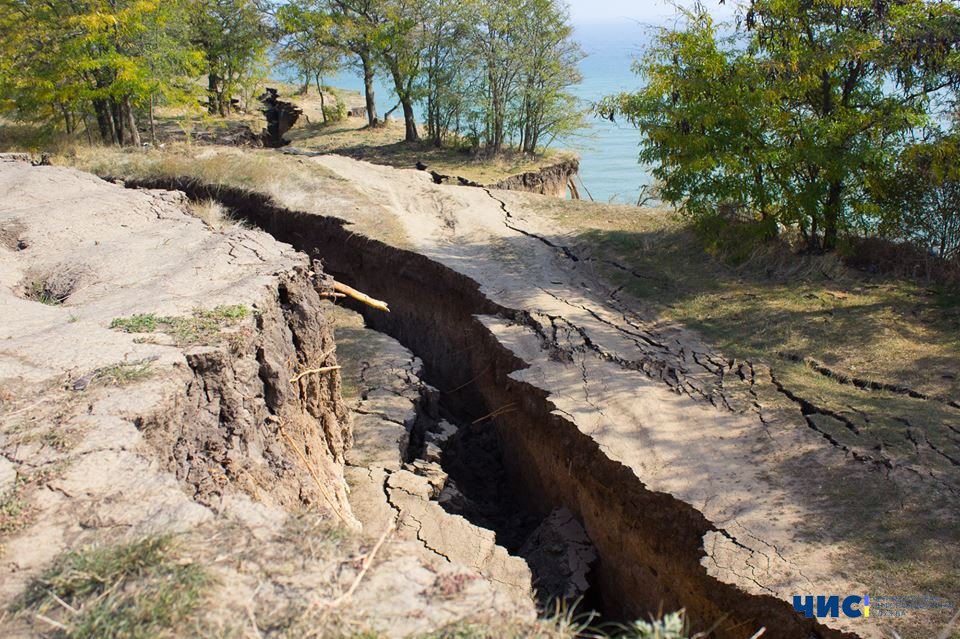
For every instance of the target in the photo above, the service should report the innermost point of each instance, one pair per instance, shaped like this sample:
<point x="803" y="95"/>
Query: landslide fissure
<point x="650" y="544"/>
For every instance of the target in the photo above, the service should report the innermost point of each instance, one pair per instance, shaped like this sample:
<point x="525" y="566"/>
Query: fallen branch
<point x="367" y="562"/>
<point x="55" y="624"/>
<point x="310" y="371"/>
<point x="360" y="297"/>
<point x="507" y="408"/>
<point x="63" y="603"/>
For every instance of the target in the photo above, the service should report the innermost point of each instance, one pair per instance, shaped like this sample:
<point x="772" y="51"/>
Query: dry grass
<point x="15" y="512"/>
<point x="139" y="589"/>
<point x="862" y="326"/>
<point x="294" y="182"/>
<point x="214" y="214"/>
<point x="564" y="624"/>
<point x="263" y="171"/>
<point x="893" y="331"/>
<point x="385" y="145"/>
<point x="17" y="508"/>
<point x="54" y="286"/>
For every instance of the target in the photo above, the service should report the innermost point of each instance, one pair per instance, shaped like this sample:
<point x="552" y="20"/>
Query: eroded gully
<point x="650" y="544"/>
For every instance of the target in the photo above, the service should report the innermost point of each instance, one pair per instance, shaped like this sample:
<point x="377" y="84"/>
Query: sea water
<point x="609" y="167"/>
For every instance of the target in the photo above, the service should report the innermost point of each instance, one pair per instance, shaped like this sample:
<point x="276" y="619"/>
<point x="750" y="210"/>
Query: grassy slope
<point x="892" y="331"/>
<point x="293" y="182"/>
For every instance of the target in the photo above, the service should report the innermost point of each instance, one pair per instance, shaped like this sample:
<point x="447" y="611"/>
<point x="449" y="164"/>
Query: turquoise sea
<point x="608" y="151"/>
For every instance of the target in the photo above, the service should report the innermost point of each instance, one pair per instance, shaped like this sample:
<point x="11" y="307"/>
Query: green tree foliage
<point x="924" y="189"/>
<point x="525" y="62"/>
<point x="445" y="69"/>
<point x="400" y="44"/>
<point x="233" y="37"/>
<point x="304" y="34"/>
<point x="93" y="61"/>
<point x="502" y="69"/>
<point x="790" y="117"/>
<point x="356" y="26"/>
<point x="548" y="69"/>
<point x="499" y="62"/>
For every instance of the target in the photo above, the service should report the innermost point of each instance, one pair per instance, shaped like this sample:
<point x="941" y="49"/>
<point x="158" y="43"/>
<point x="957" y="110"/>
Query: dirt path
<point x="716" y="434"/>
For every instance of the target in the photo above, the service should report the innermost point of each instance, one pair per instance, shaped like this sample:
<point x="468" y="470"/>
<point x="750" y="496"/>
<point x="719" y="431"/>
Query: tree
<point x="107" y="59"/>
<point x="494" y="42"/>
<point x="233" y="37"/>
<point x="305" y="43"/>
<point x="549" y="63"/>
<point x="789" y="118"/>
<point x="356" y="27"/>
<point x="924" y="191"/>
<point x="400" y="46"/>
<point x="446" y="67"/>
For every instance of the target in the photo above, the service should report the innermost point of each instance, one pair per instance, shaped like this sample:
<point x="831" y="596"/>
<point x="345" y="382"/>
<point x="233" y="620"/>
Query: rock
<point x="443" y="431"/>
<point x="433" y="473"/>
<point x="432" y="453"/>
<point x="561" y="555"/>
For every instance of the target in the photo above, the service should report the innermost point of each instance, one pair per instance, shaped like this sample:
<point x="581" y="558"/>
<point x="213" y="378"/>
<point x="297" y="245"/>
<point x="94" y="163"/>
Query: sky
<point x="644" y="11"/>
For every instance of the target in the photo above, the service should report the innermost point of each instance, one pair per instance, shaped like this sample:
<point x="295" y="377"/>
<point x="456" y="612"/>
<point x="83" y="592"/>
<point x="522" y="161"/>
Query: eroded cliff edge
<point x="163" y="377"/>
<point x="490" y="361"/>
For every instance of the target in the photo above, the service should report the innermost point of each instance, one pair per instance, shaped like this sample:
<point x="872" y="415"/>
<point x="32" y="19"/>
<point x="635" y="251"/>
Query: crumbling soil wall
<point x="650" y="544"/>
<point x="551" y="180"/>
<point x="241" y="420"/>
<point x="555" y="180"/>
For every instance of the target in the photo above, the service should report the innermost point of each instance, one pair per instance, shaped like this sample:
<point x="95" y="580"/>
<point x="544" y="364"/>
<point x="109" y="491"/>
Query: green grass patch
<point x="141" y="323"/>
<point x="135" y="590"/>
<point x="14" y="512"/>
<point x="201" y="327"/>
<point x="124" y="373"/>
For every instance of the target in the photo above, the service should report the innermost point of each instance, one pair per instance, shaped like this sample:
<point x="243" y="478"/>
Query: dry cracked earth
<point x="520" y="428"/>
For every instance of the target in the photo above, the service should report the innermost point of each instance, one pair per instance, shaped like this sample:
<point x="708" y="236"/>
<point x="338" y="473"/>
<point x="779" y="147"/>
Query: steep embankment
<point x="555" y="180"/>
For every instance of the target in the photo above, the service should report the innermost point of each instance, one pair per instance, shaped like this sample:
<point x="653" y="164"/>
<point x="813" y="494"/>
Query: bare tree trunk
<point x="368" y="89"/>
<point x="409" y="121"/>
<point x="153" y="123"/>
<point x="832" y="214"/>
<point x="104" y="121"/>
<point x="131" y="122"/>
<point x="86" y="129"/>
<point x="213" y="93"/>
<point x="117" y="119"/>
<point x="67" y="124"/>
<point x="323" y="107"/>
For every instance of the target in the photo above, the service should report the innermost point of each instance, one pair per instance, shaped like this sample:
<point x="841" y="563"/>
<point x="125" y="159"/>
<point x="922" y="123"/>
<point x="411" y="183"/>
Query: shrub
<point x="335" y="112"/>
